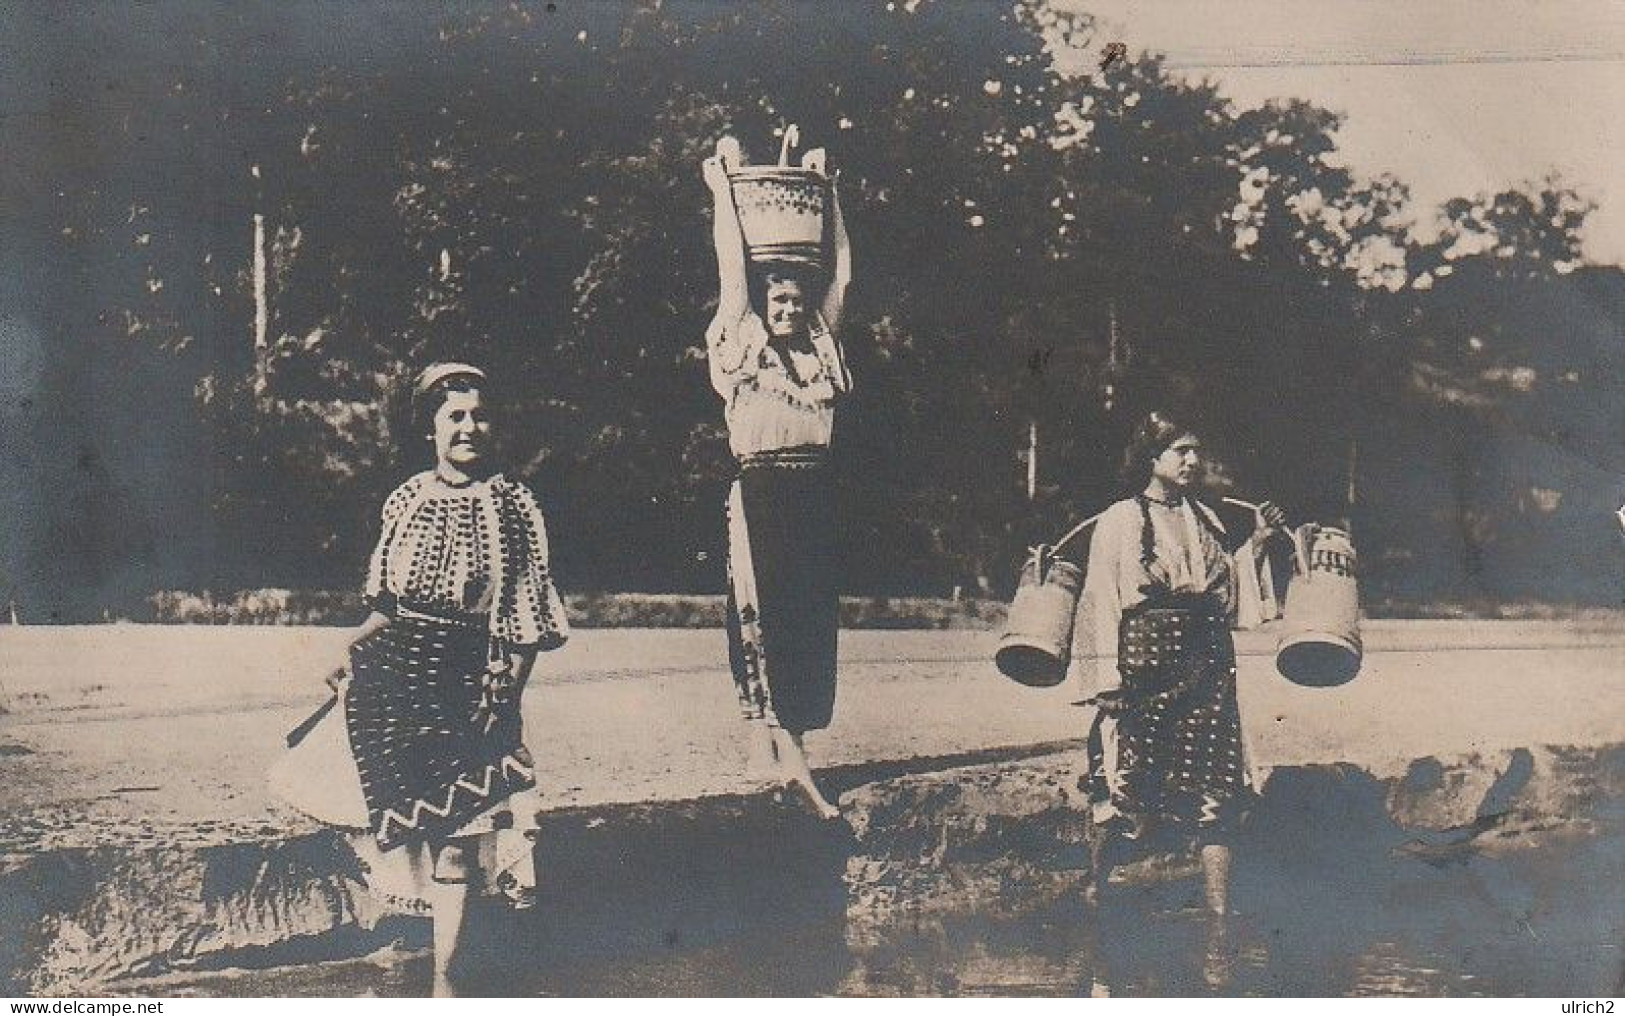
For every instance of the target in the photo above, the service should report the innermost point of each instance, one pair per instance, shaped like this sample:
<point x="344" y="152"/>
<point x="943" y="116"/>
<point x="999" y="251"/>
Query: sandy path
<point x="114" y="732"/>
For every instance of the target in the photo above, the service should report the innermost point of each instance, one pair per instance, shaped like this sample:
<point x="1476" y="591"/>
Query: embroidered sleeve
<point x="1113" y="549"/>
<point x="378" y="589"/>
<point x="1255" y="584"/>
<point x="526" y="608"/>
<point x="733" y="348"/>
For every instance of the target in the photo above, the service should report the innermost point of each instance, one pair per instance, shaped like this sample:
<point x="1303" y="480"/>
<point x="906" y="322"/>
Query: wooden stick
<point x="1075" y="530"/>
<point x="299" y="733"/>
<point x="1299" y="552"/>
<point x="1091" y="520"/>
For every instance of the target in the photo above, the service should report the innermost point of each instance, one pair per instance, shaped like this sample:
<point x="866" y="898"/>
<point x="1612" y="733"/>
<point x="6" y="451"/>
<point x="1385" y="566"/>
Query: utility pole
<point x="1032" y="460"/>
<point x="262" y="313"/>
<point x="1114" y="359"/>
<point x="262" y="309"/>
<point x="1113" y="355"/>
<point x="1352" y="491"/>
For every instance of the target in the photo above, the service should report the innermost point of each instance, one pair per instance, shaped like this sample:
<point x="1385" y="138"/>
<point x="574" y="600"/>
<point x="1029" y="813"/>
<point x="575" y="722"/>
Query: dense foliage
<point x="1048" y="235"/>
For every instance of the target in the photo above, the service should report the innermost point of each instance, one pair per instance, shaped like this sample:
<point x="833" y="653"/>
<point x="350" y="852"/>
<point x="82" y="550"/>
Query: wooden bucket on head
<point x="1320" y="645"/>
<point x="782" y="214"/>
<point x="1037" y="642"/>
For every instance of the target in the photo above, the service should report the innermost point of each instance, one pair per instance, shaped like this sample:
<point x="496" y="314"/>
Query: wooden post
<point x="1114" y="360"/>
<point x="1352" y="490"/>
<point x="1032" y="460"/>
<point x="262" y="311"/>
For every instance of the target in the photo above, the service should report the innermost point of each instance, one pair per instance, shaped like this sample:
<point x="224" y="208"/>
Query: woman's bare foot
<point x="1099" y="870"/>
<point x="1218" y="955"/>
<point x="449" y="903"/>
<point x="793" y="763"/>
<point x="444" y="986"/>
<point x="816" y="800"/>
<point x="1216" y="877"/>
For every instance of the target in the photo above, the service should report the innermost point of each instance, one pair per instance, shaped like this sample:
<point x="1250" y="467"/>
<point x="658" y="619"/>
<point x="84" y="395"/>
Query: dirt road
<point x="169" y="730"/>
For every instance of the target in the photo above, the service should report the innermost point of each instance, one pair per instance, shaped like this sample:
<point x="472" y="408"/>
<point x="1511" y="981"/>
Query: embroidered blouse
<point x="476" y="553"/>
<point x="771" y="404"/>
<point x="1187" y="556"/>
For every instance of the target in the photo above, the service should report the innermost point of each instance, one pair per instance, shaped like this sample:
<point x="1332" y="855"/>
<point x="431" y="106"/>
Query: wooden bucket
<point x="1320" y="646"/>
<point x="1037" y="641"/>
<point x="782" y="214"/>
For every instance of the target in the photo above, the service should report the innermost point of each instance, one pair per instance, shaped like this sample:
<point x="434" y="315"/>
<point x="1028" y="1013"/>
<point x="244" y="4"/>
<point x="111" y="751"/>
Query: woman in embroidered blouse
<point x="780" y="371"/>
<point x="462" y="602"/>
<point x="1160" y="596"/>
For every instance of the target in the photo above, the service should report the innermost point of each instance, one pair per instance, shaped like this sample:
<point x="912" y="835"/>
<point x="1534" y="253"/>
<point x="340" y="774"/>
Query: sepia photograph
<point x="765" y="498"/>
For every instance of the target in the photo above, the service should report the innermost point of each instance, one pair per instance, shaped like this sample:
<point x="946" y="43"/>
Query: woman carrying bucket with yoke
<point x="1150" y="637"/>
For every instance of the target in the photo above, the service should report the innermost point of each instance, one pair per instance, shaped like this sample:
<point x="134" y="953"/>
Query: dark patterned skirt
<point x="1177" y="746"/>
<point x="433" y="749"/>
<point x="783" y="610"/>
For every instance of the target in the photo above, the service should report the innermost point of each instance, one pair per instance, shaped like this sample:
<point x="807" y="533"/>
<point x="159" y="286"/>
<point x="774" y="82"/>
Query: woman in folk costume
<point x="462" y="602"/>
<point x="1164" y="585"/>
<point x="776" y="363"/>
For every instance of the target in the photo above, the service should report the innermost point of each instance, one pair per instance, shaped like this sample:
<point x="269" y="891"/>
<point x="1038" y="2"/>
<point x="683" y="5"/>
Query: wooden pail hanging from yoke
<point x="1037" y="642"/>
<point x="1320" y="645"/>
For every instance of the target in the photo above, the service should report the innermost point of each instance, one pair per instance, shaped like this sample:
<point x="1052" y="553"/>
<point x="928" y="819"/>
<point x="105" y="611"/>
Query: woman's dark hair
<point x="759" y="277"/>
<point x="1151" y="438"/>
<point x="1159" y="430"/>
<point x="428" y="403"/>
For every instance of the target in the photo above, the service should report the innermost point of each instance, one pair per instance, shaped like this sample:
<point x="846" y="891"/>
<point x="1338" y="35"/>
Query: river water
<point x="1325" y="910"/>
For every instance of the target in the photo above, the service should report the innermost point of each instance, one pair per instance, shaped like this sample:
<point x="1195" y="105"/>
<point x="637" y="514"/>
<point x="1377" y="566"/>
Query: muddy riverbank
<point x="965" y="883"/>
<point x="138" y="842"/>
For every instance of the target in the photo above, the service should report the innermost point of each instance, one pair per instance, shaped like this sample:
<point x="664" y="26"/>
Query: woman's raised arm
<point x="731" y="345"/>
<point x="841" y="276"/>
<point x="733" y="295"/>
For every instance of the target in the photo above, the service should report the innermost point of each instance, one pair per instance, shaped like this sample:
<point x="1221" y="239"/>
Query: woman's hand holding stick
<point x="1270" y="515"/>
<point x="336" y="677"/>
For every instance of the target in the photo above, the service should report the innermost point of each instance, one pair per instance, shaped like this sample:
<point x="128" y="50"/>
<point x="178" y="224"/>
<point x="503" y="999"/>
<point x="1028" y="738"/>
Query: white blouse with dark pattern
<point x="473" y="553"/>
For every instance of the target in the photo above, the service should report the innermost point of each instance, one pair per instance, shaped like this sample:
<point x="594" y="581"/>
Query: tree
<point x="1048" y="237"/>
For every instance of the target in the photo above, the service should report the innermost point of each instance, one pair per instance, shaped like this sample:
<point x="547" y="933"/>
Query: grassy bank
<point x="677" y="610"/>
<point x="588" y="610"/>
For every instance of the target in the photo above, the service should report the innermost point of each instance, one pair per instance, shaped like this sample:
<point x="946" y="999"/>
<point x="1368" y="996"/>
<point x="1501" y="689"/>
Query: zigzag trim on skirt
<point x="510" y="765"/>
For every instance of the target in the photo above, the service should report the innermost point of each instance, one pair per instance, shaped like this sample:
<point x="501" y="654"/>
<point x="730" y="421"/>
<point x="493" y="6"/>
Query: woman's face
<point x="786" y="308"/>
<point x="462" y="430"/>
<point x="1179" y="466"/>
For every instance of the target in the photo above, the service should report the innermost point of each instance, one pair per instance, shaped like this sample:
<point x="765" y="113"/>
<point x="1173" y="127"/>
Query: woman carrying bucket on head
<point x="1162" y="590"/>
<point x="780" y="370"/>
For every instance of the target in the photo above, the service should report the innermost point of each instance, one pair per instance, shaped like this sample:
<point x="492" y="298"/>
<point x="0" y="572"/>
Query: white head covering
<point x="438" y="372"/>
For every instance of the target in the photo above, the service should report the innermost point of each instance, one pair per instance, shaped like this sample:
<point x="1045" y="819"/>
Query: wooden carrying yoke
<point x="1037" y="643"/>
